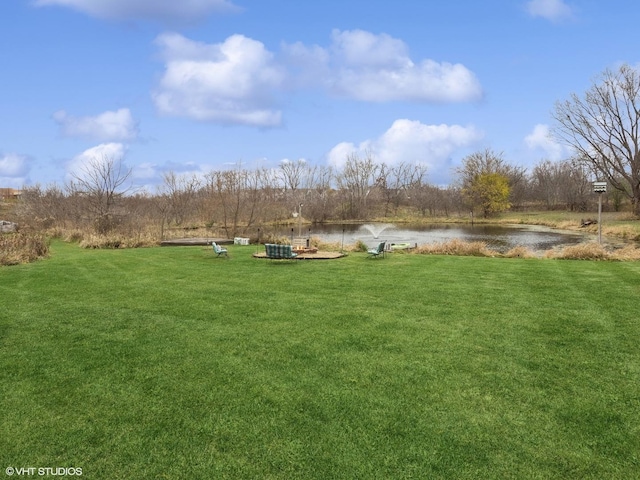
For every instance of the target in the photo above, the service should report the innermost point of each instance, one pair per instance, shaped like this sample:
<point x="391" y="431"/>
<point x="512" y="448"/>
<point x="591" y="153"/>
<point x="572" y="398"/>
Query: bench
<point x="275" y="251"/>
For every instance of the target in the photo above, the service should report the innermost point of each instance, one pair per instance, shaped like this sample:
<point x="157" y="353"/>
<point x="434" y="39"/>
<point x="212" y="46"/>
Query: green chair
<point x="376" y="252"/>
<point x="218" y="249"/>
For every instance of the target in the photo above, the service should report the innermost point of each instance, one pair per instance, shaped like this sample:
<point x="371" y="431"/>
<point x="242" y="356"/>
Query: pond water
<point x="500" y="238"/>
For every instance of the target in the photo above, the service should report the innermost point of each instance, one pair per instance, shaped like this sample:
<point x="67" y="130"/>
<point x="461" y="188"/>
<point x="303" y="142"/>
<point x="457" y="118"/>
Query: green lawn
<point x="172" y="363"/>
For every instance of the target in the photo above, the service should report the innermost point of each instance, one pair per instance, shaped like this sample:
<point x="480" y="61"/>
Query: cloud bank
<point x="239" y="81"/>
<point x="541" y="140"/>
<point x="234" y="82"/>
<point x="116" y="125"/>
<point x="377" y="68"/>
<point x="411" y="141"/>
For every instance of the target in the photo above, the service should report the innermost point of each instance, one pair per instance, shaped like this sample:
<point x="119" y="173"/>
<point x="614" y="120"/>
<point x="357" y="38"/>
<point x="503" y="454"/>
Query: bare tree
<point x="239" y="193"/>
<point x="356" y="182"/>
<point x="292" y="174"/>
<point x="603" y="127"/>
<point x="562" y="184"/>
<point x="397" y="181"/>
<point x="178" y="192"/>
<point x="101" y="182"/>
<point x="320" y="195"/>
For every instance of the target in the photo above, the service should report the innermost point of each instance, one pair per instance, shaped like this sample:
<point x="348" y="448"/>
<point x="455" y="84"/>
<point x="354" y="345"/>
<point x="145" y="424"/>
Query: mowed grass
<point x="172" y="363"/>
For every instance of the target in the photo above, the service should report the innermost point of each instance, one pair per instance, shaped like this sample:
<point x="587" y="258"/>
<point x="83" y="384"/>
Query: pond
<point x="500" y="238"/>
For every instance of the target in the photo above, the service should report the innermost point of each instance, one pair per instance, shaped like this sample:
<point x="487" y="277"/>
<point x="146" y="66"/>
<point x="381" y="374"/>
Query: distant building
<point x="9" y="194"/>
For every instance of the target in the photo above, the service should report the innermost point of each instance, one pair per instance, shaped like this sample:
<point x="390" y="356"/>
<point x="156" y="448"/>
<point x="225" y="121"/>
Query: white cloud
<point x="553" y="10"/>
<point x="77" y="166"/>
<point x="413" y="142"/>
<point x="14" y="169"/>
<point x="233" y="82"/>
<point x="540" y="139"/>
<point x="239" y="81"/>
<point x="163" y="10"/>
<point x="359" y="48"/>
<point x="108" y="126"/>
<point x="13" y="165"/>
<point x="377" y="68"/>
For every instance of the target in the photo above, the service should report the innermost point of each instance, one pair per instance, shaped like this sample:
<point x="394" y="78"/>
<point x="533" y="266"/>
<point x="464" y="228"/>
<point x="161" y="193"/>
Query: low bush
<point x="17" y="248"/>
<point x="360" y="246"/>
<point x="582" y="251"/>
<point x="115" y="240"/>
<point x="595" y="251"/>
<point x="456" y="247"/>
<point x="321" y="244"/>
<point x="626" y="253"/>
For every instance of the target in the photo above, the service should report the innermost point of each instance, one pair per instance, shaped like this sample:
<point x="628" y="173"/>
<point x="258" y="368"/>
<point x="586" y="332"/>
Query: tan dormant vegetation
<point x="582" y="251"/>
<point x="595" y="251"/>
<point x="456" y="247"/>
<point x="17" y="248"/>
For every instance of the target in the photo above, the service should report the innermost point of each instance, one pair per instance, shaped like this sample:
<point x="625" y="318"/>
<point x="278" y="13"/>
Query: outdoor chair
<point x="376" y="252"/>
<point x="218" y="249"/>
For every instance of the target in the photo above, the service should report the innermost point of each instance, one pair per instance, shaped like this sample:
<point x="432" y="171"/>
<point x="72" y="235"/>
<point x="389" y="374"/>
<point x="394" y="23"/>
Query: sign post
<point x="600" y="188"/>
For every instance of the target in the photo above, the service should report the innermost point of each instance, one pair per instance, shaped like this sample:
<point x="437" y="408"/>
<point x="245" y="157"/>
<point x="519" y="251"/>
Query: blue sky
<point x="198" y="85"/>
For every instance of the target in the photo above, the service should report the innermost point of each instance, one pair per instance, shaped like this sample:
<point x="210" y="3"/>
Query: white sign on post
<point x="600" y="187"/>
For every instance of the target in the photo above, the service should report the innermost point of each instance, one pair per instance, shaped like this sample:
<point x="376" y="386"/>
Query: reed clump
<point x="582" y="251"/>
<point x="626" y="253"/>
<point x="117" y="240"/>
<point x="323" y="245"/>
<point x="456" y="247"/>
<point x="595" y="251"/>
<point x="17" y="248"/>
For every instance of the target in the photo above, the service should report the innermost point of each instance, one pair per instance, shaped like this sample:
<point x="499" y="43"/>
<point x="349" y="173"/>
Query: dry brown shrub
<point x="622" y="231"/>
<point x="520" y="252"/>
<point x="277" y="239"/>
<point x="72" y="236"/>
<point x="320" y="244"/>
<point x="582" y="251"/>
<point x="456" y="247"/>
<point x="359" y="246"/>
<point x="117" y="240"/>
<point x="17" y="248"/>
<point x="626" y="253"/>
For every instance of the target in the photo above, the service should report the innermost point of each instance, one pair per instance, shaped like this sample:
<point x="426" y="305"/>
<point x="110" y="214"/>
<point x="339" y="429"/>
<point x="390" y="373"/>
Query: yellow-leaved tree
<point x="487" y="182"/>
<point x="490" y="192"/>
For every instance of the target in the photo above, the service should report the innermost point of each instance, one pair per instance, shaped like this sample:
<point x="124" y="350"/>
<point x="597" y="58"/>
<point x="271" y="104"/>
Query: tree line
<point x="238" y="200"/>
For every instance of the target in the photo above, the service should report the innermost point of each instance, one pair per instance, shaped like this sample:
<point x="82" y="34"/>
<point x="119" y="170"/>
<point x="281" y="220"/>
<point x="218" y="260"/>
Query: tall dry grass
<point x="116" y="240"/>
<point x="582" y="251"/>
<point x="17" y="248"/>
<point x="321" y="244"/>
<point x="595" y="251"/>
<point x="456" y="247"/>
